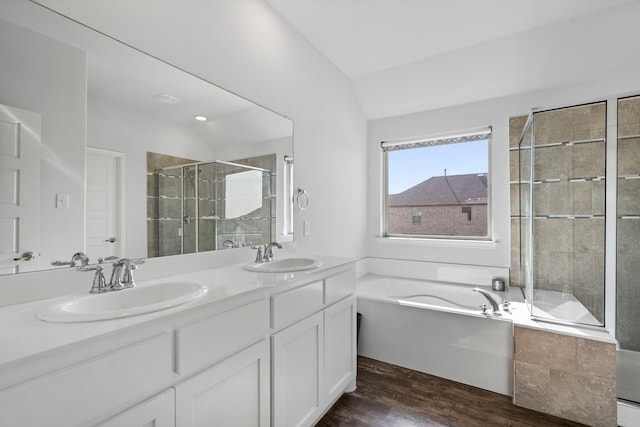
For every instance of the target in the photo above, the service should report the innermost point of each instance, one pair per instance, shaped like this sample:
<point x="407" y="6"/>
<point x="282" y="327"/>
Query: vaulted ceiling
<point x="411" y="55"/>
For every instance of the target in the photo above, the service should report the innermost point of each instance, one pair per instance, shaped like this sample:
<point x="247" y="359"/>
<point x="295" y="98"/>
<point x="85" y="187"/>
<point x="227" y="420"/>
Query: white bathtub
<point x="436" y="328"/>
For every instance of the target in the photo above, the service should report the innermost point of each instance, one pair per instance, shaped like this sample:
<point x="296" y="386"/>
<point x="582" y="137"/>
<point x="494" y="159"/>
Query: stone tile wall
<point x="565" y="376"/>
<point x="163" y="232"/>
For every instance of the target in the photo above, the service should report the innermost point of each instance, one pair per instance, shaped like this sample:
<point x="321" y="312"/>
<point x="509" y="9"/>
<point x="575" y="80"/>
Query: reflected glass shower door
<point x="170" y="208"/>
<point x="563" y="205"/>
<point x="628" y="250"/>
<point x="245" y="205"/>
<point x="214" y="205"/>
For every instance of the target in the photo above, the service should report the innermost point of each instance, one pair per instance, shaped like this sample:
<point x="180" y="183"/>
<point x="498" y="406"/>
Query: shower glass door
<point x="562" y="202"/>
<point x="214" y="205"/>
<point x="628" y="250"/>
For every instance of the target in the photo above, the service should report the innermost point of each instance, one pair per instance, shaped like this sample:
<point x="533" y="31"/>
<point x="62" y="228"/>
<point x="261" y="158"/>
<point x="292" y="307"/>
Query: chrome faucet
<point x="266" y="254"/>
<point x="99" y="283"/>
<point x="122" y="273"/>
<point x="268" y="250"/>
<point x="80" y="256"/>
<point x="492" y="301"/>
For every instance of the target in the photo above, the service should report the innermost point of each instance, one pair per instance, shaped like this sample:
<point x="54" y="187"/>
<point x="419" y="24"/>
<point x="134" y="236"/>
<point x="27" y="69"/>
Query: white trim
<point x="454" y="243"/>
<point x="628" y="414"/>
<point x="121" y="164"/>
<point x="460" y="134"/>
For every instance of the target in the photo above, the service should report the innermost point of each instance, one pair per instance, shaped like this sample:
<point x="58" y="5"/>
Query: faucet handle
<point x="484" y="308"/>
<point x="99" y="282"/>
<point x="259" y="254"/>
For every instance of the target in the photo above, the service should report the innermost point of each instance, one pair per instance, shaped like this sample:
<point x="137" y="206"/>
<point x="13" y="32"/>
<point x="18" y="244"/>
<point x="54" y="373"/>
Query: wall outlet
<point x="62" y="201"/>
<point x="307" y="228"/>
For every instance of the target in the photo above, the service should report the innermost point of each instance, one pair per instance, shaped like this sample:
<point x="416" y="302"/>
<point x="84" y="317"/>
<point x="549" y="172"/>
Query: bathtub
<point x="436" y="328"/>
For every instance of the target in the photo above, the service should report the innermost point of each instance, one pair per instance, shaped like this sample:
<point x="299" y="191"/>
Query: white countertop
<point x="23" y="336"/>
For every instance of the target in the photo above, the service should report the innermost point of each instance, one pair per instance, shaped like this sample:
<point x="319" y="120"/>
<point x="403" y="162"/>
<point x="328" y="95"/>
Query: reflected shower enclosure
<point x="562" y="158"/>
<point x="214" y="205"/>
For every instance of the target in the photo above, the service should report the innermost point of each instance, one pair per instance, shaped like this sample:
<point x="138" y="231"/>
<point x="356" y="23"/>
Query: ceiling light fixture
<point x="165" y="98"/>
<point x="200" y="118"/>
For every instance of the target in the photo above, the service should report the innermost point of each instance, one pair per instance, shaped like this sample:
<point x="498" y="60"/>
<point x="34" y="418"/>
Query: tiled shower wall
<point x="157" y="161"/>
<point x="165" y="221"/>
<point x="568" y="201"/>
<point x="628" y="225"/>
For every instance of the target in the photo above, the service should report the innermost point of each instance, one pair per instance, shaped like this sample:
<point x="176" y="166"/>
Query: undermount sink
<point x="284" y="265"/>
<point x="124" y="303"/>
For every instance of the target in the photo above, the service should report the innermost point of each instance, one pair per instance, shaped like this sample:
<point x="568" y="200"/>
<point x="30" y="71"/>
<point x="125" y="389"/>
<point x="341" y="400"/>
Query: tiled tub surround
<point x="561" y="370"/>
<point x="565" y="376"/>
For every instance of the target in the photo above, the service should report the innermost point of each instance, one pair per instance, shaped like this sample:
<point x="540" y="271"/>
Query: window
<point x="417" y="215"/>
<point x="444" y="178"/>
<point x="466" y="214"/>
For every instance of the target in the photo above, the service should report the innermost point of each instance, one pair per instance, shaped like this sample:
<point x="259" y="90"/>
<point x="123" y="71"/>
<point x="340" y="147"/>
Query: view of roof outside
<point x="410" y="167"/>
<point x="438" y="190"/>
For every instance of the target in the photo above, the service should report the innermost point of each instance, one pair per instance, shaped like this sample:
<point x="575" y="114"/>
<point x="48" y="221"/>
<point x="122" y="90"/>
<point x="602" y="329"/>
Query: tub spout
<point x="492" y="301"/>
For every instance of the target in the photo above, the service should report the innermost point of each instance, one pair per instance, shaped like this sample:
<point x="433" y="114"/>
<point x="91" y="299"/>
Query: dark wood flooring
<point x="391" y="396"/>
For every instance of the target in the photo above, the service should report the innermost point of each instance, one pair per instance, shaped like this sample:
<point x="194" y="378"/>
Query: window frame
<point x="435" y="140"/>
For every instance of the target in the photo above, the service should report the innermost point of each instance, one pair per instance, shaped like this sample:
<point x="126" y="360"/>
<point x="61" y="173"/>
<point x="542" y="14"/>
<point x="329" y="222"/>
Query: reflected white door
<point x="104" y="236"/>
<point x="19" y="189"/>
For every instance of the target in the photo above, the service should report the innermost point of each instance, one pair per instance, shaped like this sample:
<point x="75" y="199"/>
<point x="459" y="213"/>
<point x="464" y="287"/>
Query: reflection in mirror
<point x="127" y="118"/>
<point x="207" y="206"/>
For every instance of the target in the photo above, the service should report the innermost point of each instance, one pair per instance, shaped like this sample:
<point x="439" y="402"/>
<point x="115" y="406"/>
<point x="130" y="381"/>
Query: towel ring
<point x="302" y="199"/>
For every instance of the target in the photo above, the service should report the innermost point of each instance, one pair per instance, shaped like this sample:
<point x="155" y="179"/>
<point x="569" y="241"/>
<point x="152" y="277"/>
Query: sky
<point x="410" y="167"/>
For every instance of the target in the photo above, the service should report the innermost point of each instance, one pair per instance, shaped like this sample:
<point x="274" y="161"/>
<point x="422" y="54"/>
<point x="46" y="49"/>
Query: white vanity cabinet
<point x="77" y="394"/>
<point x="314" y="358"/>
<point x="298" y="373"/>
<point x="158" y="411"/>
<point x="280" y="355"/>
<point x="234" y="392"/>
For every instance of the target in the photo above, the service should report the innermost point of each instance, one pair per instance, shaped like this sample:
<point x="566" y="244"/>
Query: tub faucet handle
<point x="483" y="308"/>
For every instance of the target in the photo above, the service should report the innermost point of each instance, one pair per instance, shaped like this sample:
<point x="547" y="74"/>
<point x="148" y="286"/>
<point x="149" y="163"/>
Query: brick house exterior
<point x="454" y="205"/>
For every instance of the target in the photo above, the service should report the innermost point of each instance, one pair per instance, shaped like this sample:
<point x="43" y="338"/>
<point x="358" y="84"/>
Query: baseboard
<point x="628" y="414"/>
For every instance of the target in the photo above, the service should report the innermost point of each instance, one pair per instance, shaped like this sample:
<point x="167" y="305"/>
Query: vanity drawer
<point x="339" y="286"/>
<point x="212" y="339"/>
<point x="77" y="394"/>
<point x="296" y="304"/>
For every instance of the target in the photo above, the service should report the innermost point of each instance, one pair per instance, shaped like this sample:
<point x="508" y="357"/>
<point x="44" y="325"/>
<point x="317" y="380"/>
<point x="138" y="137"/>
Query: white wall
<point x="494" y="112"/>
<point x="245" y="47"/>
<point x="581" y="50"/>
<point x="29" y="71"/>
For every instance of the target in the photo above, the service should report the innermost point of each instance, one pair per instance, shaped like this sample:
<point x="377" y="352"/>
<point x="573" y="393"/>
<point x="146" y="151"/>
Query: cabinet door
<point x="159" y="411"/>
<point x="340" y="346"/>
<point x="232" y="393"/>
<point x="298" y="373"/>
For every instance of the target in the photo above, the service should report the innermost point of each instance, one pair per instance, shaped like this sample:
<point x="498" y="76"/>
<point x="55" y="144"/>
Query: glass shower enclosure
<point x="213" y="205"/>
<point x="562" y="170"/>
<point x="628" y="248"/>
<point x="562" y="204"/>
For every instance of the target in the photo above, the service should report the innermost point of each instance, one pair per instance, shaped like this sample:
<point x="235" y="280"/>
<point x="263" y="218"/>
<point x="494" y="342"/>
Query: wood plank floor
<point x="391" y="396"/>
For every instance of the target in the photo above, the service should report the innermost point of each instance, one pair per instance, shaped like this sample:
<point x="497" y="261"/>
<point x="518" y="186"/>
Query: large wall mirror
<point x="109" y="151"/>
